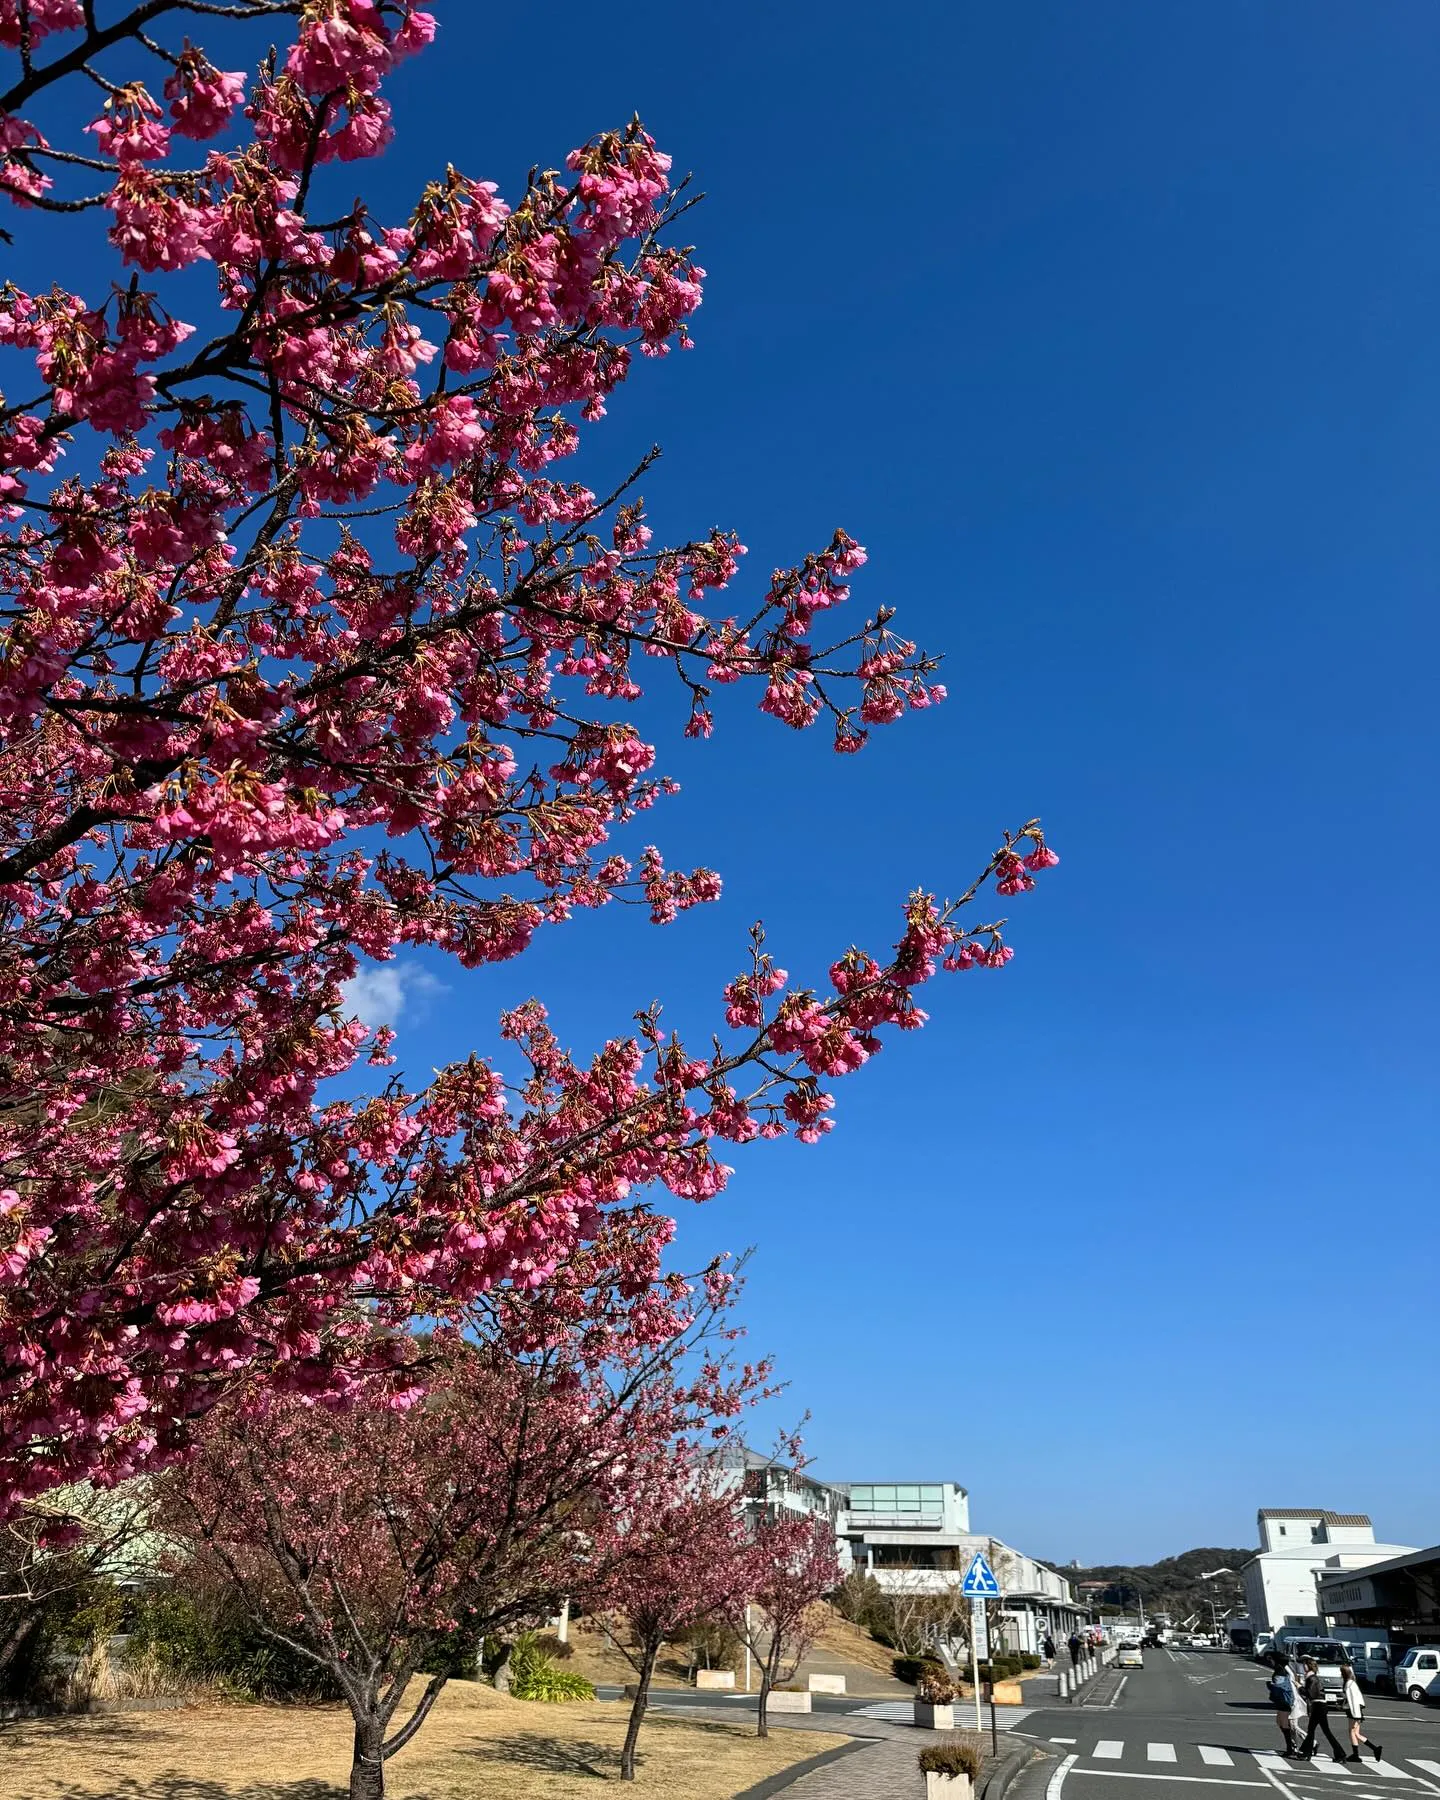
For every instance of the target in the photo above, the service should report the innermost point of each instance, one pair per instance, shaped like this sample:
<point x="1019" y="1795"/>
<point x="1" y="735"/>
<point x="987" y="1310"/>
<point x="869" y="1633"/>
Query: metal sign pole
<point x="978" y="1585"/>
<point x="977" y="1607"/>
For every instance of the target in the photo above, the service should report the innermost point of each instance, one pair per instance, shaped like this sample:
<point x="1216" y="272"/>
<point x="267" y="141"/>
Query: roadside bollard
<point x="1064" y="1685"/>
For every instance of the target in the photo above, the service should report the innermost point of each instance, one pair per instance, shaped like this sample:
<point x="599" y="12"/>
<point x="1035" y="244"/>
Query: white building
<point x="915" y="1537"/>
<point x="1296" y="1547"/>
<point x="891" y="1528"/>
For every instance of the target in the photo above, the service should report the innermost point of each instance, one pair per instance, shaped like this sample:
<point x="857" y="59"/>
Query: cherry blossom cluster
<point x="309" y="655"/>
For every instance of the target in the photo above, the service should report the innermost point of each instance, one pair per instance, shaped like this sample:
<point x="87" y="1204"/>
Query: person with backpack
<point x="1319" y="1703"/>
<point x="1355" y="1713"/>
<point x="1281" y="1693"/>
<point x="1074" y="1646"/>
<point x="1048" y="1647"/>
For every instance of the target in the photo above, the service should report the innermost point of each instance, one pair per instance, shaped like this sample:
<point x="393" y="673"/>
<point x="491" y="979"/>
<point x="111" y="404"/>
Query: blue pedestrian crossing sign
<point x="980" y="1582"/>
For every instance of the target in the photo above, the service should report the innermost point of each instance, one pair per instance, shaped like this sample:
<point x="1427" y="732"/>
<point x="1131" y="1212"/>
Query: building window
<point x="903" y="1499"/>
<point x="1282" y="1531"/>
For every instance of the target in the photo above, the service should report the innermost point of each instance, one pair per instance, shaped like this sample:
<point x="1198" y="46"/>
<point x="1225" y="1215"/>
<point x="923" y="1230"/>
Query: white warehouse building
<point x="1296" y="1547"/>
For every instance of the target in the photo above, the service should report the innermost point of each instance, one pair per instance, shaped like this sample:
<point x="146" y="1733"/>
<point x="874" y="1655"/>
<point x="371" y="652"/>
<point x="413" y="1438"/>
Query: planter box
<point x="947" y="1787"/>
<point x="1008" y="1693"/>
<point x="827" y="1684"/>
<point x="714" y="1678"/>
<point x="781" y="1702"/>
<point x="934" y="1718"/>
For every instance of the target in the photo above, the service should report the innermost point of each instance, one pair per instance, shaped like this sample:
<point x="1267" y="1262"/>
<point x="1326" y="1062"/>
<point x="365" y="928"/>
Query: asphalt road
<point x="1200" y="1719"/>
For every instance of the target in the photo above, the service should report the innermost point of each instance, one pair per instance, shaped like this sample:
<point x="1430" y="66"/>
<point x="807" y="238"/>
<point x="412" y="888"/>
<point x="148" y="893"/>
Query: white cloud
<point x="382" y="993"/>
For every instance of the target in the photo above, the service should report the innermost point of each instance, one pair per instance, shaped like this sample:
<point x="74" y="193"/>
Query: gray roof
<point x="1315" y="1512"/>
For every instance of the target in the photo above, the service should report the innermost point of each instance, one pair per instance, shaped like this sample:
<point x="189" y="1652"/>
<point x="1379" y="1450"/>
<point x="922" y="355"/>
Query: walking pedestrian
<point x="1048" y="1648"/>
<point x="1281" y="1691"/>
<point x="1074" y="1646"/>
<point x="1355" y="1713"/>
<point x="1319" y="1703"/>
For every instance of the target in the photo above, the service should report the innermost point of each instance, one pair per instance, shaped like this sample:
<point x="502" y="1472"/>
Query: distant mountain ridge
<point x="1172" y="1585"/>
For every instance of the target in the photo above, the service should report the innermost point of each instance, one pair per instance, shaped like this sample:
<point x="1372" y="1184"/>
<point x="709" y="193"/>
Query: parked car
<point x="1329" y="1655"/>
<point x="1131" y="1657"/>
<point x="1417" y="1674"/>
<point x="1264" y="1644"/>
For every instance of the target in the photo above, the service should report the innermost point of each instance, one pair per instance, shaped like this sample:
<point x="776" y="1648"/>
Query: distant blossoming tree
<point x="308" y="654"/>
<point x="791" y="1565"/>
<point x="680" y="1558"/>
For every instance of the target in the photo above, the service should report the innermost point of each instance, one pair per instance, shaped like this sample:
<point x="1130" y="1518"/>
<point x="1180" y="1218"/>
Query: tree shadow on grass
<point x="554" y="1756"/>
<point x="172" y="1785"/>
<point x="576" y="1756"/>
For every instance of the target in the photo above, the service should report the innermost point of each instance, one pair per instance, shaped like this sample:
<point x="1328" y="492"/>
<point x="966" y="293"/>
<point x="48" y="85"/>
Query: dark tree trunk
<point x="13" y="1640"/>
<point x="367" y="1767"/>
<point x="769" y="1669"/>
<point x="637" y="1712"/>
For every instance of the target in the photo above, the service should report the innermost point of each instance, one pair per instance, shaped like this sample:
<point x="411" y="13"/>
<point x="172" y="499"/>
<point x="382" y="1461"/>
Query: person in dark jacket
<point x="1048" y="1647"/>
<point x="1281" y="1692"/>
<point x="1074" y="1646"/>
<point x="1319" y="1703"/>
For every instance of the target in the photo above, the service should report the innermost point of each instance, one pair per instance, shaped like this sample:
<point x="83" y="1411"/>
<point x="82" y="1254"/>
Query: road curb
<point x="784" y="1778"/>
<point x="1013" y="1759"/>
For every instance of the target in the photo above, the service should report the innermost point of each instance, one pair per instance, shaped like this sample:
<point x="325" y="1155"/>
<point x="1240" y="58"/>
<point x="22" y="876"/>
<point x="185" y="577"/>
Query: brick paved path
<point x="882" y="1771"/>
<point x="885" y="1770"/>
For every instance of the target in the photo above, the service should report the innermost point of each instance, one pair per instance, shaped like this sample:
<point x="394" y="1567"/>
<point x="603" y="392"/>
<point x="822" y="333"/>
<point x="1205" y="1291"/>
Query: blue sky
<point x="1110" y="330"/>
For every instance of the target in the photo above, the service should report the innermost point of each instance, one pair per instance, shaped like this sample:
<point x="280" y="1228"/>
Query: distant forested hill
<point x="1172" y="1585"/>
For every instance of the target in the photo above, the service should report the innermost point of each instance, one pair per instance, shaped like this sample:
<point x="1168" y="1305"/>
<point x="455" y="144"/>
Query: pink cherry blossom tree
<point x="366" y="1536"/>
<point x="309" y="654"/>
<point x="681" y="1557"/>
<point x="791" y="1564"/>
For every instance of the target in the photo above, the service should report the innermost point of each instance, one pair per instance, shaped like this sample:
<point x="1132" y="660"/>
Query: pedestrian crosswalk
<point x="1259" y="1768"/>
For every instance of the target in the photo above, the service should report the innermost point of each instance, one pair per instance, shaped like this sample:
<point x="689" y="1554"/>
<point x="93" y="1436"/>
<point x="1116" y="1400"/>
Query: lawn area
<point x="476" y="1745"/>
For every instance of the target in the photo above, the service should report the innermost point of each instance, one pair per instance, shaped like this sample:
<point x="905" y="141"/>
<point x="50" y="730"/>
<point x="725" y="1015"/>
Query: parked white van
<point x="1417" y="1674"/>
<point x="1371" y="1654"/>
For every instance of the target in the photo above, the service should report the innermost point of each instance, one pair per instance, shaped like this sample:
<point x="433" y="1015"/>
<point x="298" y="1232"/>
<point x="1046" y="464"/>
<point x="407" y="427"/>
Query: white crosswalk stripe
<point x="1323" y="1770"/>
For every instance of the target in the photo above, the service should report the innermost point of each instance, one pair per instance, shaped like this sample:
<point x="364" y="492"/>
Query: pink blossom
<point x="203" y="99"/>
<point x="129" y="129"/>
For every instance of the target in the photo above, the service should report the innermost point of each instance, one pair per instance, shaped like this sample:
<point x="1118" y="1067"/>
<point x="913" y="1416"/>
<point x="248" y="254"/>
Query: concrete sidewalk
<point x="886" y="1768"/>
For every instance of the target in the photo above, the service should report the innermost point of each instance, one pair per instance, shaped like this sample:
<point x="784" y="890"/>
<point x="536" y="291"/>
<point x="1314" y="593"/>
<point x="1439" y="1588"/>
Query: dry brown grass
<point x="596" y="1658"/>
<point x="856" y="1645"/>
<point x="476" y="1745"/>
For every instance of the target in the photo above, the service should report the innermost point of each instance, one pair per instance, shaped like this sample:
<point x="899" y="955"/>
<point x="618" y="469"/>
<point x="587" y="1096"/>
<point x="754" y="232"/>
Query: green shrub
<point x="910" y="1668"/>
<point x="1029" y="1660"/>
<point x="951" y="1759"/>
<point x="533" y="1676"/>
<point x="71" y="1620"/>
<point x="220" y="1643"/>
